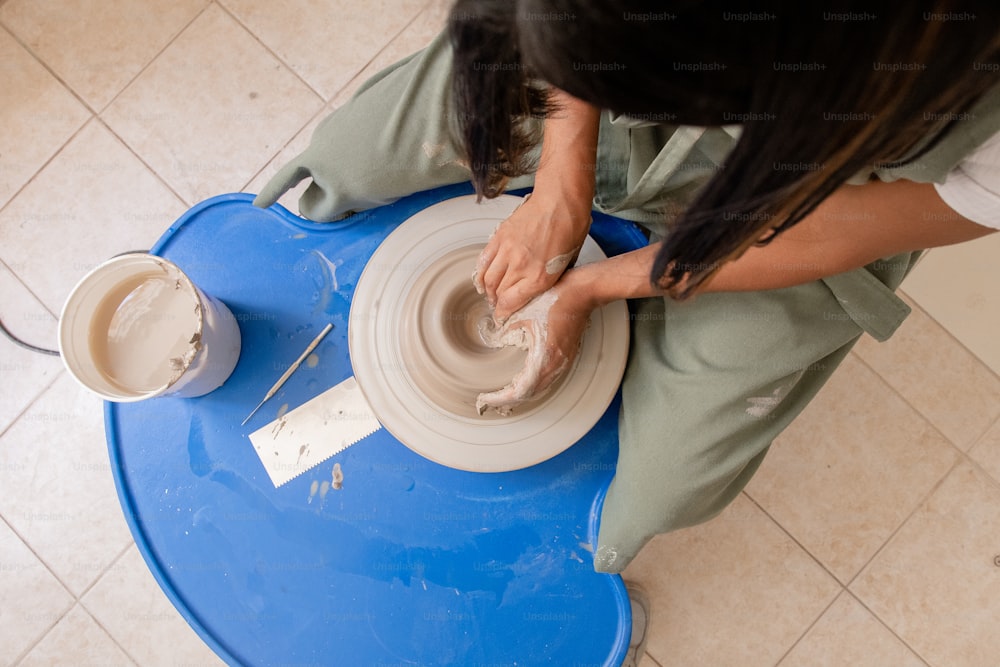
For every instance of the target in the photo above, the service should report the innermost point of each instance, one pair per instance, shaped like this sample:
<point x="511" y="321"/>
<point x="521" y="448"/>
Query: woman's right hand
<point x="530" y="250"/>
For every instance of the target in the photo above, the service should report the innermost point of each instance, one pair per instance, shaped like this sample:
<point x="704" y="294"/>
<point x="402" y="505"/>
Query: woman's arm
<point x="532" y="248"/>
<point x="855" y="226"/>
<point x="851" y="228"/>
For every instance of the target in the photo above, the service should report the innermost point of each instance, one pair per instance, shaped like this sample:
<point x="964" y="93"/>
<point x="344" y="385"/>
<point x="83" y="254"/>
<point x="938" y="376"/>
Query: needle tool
<point x="291" y="369"/>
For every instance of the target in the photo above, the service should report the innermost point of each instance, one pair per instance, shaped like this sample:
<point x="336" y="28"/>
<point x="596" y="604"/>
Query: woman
<point x="789" y="165"/>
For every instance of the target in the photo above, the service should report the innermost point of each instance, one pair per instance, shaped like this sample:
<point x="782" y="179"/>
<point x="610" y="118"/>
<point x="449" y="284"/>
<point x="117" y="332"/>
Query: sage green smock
<point x="710" y="382"/>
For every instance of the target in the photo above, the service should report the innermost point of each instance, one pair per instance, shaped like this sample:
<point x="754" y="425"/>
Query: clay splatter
<point x="338" y="477"/>
<point x="329" y="285"/>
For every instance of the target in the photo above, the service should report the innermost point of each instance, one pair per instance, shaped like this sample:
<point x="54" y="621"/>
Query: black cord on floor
<point x="28" y="346"/>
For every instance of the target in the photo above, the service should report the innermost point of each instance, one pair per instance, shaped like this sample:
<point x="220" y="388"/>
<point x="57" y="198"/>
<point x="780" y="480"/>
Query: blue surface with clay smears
<point x="410" y="562"/>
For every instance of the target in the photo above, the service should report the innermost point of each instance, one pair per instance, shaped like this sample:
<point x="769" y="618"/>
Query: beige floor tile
<point x="33" y="599"/>
<point x="212" y="109"/>
<point x="129" y="604"/>
<point x="956" y="285"/>
<point x="79" y="641"/>
<point x="853" y="466"/>
<point x="58" y="490"/>
<point x="98" y="46"/>
<point x="354" y="33"/>
<point x="647" y="661"/>
<point x="954" y="391"/>
<point x="94" y="200"/>
<point x="734" y="591"/>
<point x="847" y="634"/>
<point x="987" y="451"/>
<point x="416" y="36"/>
<point x="23" y="374"/>
<point x="299" y="143"/>
<point x="937" y="583"/>
<point x="37" y="114"/>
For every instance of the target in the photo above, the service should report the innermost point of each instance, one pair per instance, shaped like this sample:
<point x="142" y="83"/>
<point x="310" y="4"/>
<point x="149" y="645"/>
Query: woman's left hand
<point x="551" y="329"/>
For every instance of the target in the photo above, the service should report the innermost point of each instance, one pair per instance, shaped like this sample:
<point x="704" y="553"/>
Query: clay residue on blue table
<point x="327" y="285"/>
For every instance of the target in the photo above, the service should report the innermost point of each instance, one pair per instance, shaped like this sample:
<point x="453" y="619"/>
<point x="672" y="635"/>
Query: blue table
<point x="410" y="563"/>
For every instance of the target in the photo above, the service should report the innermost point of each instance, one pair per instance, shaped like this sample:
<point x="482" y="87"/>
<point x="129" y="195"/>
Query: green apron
<point x="711" y="381"/>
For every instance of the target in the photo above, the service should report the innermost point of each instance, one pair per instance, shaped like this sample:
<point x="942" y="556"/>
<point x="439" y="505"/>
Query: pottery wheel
<point x="418" y="357"/>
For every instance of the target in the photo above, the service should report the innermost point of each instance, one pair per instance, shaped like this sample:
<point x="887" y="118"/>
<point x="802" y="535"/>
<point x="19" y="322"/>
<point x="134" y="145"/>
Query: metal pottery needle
<point x="291" y="369"/>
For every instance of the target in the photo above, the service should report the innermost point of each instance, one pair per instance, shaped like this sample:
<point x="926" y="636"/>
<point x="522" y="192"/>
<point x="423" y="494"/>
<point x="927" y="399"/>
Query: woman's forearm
<point x="856" y="225"/>
<point x="569" y="151"/>
<point x="853" y="227"/>
<point x="530" y="250"/>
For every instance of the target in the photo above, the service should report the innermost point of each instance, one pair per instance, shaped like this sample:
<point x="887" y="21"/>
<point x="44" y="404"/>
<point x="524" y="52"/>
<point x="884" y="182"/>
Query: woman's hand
<point x="530" y="250"/>
<point x="551" y="329"/>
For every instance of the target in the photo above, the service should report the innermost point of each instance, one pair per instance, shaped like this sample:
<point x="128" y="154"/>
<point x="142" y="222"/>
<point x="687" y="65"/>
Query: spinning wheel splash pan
<point x="417" y="355"/>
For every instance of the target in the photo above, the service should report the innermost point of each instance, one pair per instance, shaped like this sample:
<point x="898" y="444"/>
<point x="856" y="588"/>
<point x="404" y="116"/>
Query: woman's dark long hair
<point x="494" y="94"/>
<point x="822" y="93"/>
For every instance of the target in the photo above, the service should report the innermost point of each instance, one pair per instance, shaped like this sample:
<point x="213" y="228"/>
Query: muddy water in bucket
<point x="136" y="327"/>
<point x="143" y="332"/>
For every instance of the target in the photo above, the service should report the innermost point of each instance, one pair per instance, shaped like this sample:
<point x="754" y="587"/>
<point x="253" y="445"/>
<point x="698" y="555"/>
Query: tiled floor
<point x="871" y="536"/>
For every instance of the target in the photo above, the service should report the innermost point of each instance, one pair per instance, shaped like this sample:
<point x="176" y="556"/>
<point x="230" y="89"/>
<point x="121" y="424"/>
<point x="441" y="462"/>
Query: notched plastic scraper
<point x="314" y="431"/>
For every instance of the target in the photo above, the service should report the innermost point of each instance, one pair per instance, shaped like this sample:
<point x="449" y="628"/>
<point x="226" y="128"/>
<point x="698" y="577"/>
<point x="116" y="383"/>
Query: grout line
<point x="325" y="107"/>
<point x="108" y="568"/>
<point x="256" y="38"/>
<point x="31" y="292"/>
<point x="378" y="53"/>
<point x="815" y="559"/>
<point x="845" y="587"/>
<point x="892" y="536"/>
<point x="249" y="32"/>
<point x="649" y="656"/>
<point x="66" y="588"/>
<point x="31" y="403"/>
<point x="14" y="195"/>
<point x="24" y="655"/>
<point x="100" y="118"/>
<point x="95" y="114"/>
<point x="793" y="538"/>
<point x="153" y="172"/>
<point x="322" y="109"/>
<point x="913" y="303"/>
<point x="153" y="59"/>
<point x="47" y="162"/>
<point x="982" y="436"/>
<point x="973" y="463"/>
<point x="83" y="605"/>
<point x="811" y="626"/>
<point x="46" y="67"/>
<point x="920" y="413"/>
<point x="890" y="630"/>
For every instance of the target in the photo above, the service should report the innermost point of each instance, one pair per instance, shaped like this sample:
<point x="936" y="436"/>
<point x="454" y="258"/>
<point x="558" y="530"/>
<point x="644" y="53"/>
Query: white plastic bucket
<point x="136" y="327"/>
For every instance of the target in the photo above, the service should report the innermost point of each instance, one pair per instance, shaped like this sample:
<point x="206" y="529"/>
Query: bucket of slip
<point x="136" y="327"/>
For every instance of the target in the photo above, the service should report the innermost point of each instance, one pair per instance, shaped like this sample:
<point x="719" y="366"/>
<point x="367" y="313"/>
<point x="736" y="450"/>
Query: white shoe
<point x="640" y="625"/>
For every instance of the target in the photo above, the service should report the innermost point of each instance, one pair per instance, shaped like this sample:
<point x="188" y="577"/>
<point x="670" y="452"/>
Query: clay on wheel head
<point x="418" y="357"/>
<point x="440" y="340"/>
